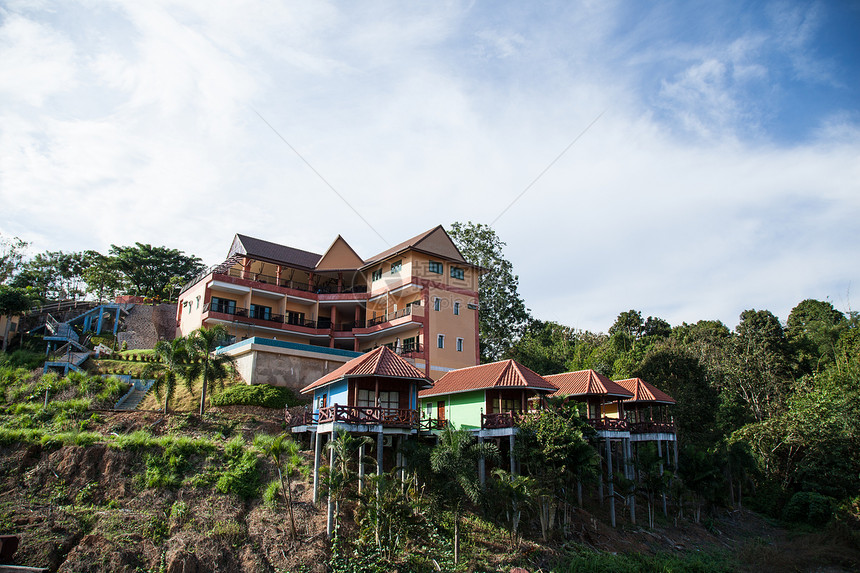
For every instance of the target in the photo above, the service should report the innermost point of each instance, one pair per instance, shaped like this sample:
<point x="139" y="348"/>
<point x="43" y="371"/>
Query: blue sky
<point x="723" y="172"/>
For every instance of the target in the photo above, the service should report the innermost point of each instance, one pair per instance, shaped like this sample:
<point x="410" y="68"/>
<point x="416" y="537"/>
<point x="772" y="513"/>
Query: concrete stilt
<point x="513" y="461"/>
<point x="676" y="453"/>
<point x="660" y="454"/>
<point x="482" y="464"/>
<point x="379" y="454"/>
<point x="317" y="453"/>
<point x="329" y="523"/>
<point x="610" y="482"/>
<point x="631" y="475"/>
<point x="360" y="468"/>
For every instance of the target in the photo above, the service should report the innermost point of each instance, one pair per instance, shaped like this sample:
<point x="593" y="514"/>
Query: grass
<point x="592" y="562"/>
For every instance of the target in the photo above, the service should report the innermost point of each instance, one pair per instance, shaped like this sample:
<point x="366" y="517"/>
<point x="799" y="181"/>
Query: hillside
<point x="149" y="498"/>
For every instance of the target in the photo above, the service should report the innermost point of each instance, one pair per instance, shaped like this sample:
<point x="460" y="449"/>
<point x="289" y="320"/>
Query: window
<point x="436" y="267"/>
<point x="261" y="312"/>
<point x="410" y="344"/>
<point x="456" y="308"/>
<point x="395" y="267"/>
<point x="440" y="341"/>
<point x="376" y="275"/>
<point x="457" y="273"/>
<point x="437" y="303"/>
<point x="389" y="399"/>
<point x="295" y="318"/>
<point x="223" y="305"/>
<point x="365" y="399"/>
<point x="459" y="345"/>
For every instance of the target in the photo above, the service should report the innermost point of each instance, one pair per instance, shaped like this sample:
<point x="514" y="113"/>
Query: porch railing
<point x="395" y="417"/>
<point x="610" y="424"/>
<point x="652" y="427"/>
<point x="389" y="316"/>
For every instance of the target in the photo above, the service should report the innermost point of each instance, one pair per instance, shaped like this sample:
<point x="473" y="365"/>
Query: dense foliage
<point x="765" y="412"/>
<point x="256" y="395"/>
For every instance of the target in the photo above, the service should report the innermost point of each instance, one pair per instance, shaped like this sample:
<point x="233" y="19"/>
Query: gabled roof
<point x="339" y="256"/>
<point x="504" y="374"/>
<point x="380" y="362"/>
<point x="433" y="242"/>
<point x="584" y="383"/>
<point x="644" y="392"/>
<point x="272" y="252"/>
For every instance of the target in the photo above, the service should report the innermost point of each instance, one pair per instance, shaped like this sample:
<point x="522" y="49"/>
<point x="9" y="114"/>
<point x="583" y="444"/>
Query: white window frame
<point x="459" y="345"/>
<point x="440" y="341"/>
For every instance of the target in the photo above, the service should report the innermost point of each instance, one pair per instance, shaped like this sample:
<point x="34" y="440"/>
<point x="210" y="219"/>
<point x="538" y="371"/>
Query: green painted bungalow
<point x="484" y="397"/>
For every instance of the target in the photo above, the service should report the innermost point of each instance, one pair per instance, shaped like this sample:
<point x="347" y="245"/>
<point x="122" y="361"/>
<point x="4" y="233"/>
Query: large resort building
<point x="297" y="315"/>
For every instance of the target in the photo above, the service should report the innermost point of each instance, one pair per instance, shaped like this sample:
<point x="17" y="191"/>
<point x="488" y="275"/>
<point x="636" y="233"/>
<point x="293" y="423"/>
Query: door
<point x="440" y="410"/>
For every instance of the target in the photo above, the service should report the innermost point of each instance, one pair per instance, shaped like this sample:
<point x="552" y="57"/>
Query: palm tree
<point x="456" y="458"/>
<point x="284" y="449"/>
<point x="171" y="365"/>
<point x="203" y="362"/>
<point x="341" y="477"/>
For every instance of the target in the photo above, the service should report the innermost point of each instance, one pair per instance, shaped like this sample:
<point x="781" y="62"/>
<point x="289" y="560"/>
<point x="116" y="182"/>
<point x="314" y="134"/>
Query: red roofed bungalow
<point x="376" y="393"/>
<point x="485" y="397"/>
<point x="647" y="411"/>
<point x="602" y="396"/>
<point x="375" y="389"/>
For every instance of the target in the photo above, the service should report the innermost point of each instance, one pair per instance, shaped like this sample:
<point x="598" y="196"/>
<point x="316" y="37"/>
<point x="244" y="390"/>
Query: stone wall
<point x="144" y="325"/>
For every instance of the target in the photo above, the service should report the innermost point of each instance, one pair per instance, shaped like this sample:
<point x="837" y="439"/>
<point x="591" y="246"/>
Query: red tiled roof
<point x="504" y="374"/>
<point x="380" y="362"/>
<point x="644" y="392"/>
<point x="587" y="383"/>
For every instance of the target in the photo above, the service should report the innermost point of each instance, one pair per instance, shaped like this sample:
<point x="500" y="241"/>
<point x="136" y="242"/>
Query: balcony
<point x="296" y="285"/>
<point x="256" y="314"/>
<point x="609" y="424"/>
<point x="388" y="317"/>
<point x="368" y="415"/>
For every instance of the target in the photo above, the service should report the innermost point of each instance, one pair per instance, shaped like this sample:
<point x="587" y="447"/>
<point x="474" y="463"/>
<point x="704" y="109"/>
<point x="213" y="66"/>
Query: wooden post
<point x="611" y="484"/>
<point x="513" y="462"/>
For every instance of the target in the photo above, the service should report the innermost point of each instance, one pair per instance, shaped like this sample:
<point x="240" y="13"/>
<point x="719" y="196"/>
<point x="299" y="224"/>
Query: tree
<point x="211" y="368"/>
<point x="760" y="366"/>
<point x="340" y="476"/>
<point x="53" y="275"/>
<point x="545" y="347"/>
<point x="630" y="323"/>
<point x="553" y="448"/>
<point x="13" y="301"/>
<point x="152" y="271"/>
<point x="455" y="458"/>
<point x="11" y="255"/>
<point x="812" y="329"/>
<point x="503" y="315"/>
<point x="173" y="364"/>
<point x="285" y="452"/>
<point x="103" y="276"/>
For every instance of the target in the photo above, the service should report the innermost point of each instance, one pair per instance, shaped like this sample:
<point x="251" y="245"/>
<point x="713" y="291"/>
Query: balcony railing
<point x="610" y="424"/>
<point x="395" y="417"/>
<point x="498" y="420"/>
<point x="652" y="427"/>
<point x="306" y="418"/>
<point x="295" y="285"/>
<point x="430" y="424"/>
<point x="387" y="317"/>
<point x="257" y="314"/>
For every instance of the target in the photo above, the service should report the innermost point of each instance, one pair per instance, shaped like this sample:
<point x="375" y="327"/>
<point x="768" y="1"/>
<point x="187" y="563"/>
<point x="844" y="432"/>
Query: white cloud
<point x="36" y="61"/>
<point x="152" y="136"/>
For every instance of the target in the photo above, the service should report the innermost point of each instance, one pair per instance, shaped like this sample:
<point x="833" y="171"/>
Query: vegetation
<point x="212" y="369"/>
<point x="256" y="395"/>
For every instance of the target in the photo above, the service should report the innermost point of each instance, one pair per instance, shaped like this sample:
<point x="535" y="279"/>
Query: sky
<point x="689" y="160"/>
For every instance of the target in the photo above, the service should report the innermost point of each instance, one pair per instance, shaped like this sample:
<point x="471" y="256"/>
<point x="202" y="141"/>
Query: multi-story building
<point x="418" y="298"/>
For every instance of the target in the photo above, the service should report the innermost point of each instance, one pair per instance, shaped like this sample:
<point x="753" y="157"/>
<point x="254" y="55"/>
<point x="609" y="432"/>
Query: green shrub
<point x="26" y="359"/>
<point x="809" y="507"/>
<point x="241" y="476"/>
<point x="272" y="493"/>
<point x="256" y="395"/>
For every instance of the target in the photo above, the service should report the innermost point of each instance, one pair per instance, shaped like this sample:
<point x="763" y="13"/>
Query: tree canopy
<point x="155" y="271"/>
<point x="503" y="315"/>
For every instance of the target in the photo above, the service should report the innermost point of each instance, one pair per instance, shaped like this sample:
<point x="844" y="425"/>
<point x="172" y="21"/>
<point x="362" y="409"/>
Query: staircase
<point x="135" y="395"/>
<point x="72" y="353"/>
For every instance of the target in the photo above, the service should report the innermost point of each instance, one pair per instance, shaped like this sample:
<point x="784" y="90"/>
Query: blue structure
<point x="65" y="351"/>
